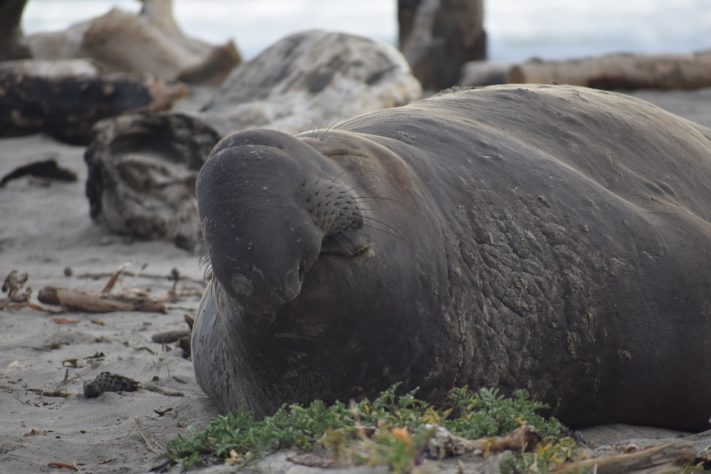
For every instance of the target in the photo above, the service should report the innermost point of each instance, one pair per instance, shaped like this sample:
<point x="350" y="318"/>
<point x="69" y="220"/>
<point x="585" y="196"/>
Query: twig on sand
<point x="163" y="391"/>
<point x="93" y="302"/>
<point x="148" y="276"/>
<point x="31" y="305"/>
<point x="62" y="465"/>
<point x="189" y="320"/>
<point x="114" y="278"/>
<point x="50" y="393"/>
<point x="169" y="337"/>
<point x="13" y="286"/>
<point x="17" y="295"/>
<point x="152" y="445"/>
<point x="444" y="443"/>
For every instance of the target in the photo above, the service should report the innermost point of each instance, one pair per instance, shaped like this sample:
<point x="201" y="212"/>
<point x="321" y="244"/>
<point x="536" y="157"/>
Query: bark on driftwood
<point x="142" y="168"/>
<point x="445" y="444"/>
<point x="438" y="36"/>
<point x="150" y="42"/>
<point x="621" y="71"/>
<point x="12" y="42"/>
<point x="142" y="171"/>
<point x="67" y="107"/>
<point x="50" y="68"/>
<point x="668" y="458"/>
<point x="98" y="302"/>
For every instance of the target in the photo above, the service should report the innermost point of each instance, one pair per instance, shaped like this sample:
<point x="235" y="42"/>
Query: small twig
<point x="444" y="443"/>
<point x="62" y="465"/>
<point x="114" y="278"/>
<point x="175" y="276"/>
<point x="152" y="445"/>
<point x="173" y="296"/>
<point x="163" y="391"/>
<point x="177" y="307"/>
<point x="58" y="320"/>
<point x="4" y="304"/>
<point x="189" y="320"/>
<point x="163" y="412"/>
<point x="145" y="348"/>
<point x="52" y="393"/>
<point x="169" y="337"/>
<point x="13" y="285"/>
<point x="148" y="276"/>
<point x="98" y="302"/>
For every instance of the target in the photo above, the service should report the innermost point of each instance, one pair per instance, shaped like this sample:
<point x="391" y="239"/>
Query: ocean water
<point x="517" y="29"/>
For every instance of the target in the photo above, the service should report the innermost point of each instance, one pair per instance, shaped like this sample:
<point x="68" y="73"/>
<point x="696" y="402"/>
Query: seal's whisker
<point x="359" y="188"/>
<point x="330" y="127"/>
<point x="384" y="231"/>
<point x="387" y="226"/>
<point x="338" y="176"/>
<point x="205" y="263"/>
<point x="367" y="198"/>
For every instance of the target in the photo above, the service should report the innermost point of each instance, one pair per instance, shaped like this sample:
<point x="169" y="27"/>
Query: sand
<point x="46" y="228"/>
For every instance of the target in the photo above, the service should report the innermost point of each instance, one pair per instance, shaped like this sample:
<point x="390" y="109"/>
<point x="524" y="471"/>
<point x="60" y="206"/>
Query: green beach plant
<point x="393" y="429"/>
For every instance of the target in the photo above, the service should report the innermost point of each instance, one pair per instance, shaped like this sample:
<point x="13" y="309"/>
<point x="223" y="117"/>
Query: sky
<point x="517" y="29"/>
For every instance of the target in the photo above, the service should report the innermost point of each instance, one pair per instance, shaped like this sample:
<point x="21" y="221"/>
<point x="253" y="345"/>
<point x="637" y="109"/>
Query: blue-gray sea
<point x="517" y="29"/>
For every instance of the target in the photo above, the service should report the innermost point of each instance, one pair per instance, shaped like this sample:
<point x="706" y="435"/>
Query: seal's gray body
<point x="551" y="238"/>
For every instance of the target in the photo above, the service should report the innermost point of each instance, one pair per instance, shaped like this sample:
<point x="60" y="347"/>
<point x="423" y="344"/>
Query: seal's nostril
<point x="301" y="270"/>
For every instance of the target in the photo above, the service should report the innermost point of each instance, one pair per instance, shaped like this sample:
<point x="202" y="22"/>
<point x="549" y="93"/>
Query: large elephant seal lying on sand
<point x="551" y="238"/>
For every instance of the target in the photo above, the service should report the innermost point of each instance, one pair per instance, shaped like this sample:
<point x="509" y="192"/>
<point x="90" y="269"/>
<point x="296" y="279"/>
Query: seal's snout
<point x="261" y="239"/>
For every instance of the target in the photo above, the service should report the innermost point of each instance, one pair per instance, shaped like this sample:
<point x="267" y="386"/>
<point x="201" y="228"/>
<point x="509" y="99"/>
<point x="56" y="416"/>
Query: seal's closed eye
<point x="346" y="244"/>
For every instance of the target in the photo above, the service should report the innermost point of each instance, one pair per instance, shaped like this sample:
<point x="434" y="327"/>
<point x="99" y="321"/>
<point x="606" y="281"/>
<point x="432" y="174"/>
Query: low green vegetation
<point x="391" y="430"/>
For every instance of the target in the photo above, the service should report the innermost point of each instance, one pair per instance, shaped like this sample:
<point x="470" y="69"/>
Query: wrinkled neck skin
<point x="303" y="303"/>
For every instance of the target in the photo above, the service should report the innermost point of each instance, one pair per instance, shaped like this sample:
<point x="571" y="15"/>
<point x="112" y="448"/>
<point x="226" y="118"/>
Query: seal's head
<point x="267" y="204"/>
<point x="321" y="262"/>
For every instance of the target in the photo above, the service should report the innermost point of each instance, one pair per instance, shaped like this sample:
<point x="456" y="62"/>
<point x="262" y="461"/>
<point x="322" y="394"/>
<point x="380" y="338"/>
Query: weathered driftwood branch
<point x="68" y="107"/>
<point x="150" y="42"/>
<point x="621" y="71"/>
<point x="669" y="458"/>
<point x="445" y="444"/>
<point x="98" y="302"/>
<point x="169" y="337"/>
<point x="50" y="68"/>
<point x="142" y="168"/>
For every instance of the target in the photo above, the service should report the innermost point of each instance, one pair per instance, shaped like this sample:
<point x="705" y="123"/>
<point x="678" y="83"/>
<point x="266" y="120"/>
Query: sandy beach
<point x="47" y="233"/>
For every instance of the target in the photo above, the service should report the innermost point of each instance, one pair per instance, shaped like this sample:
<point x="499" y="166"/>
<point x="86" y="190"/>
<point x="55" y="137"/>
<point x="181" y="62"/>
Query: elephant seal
<point x="551" y="238"/>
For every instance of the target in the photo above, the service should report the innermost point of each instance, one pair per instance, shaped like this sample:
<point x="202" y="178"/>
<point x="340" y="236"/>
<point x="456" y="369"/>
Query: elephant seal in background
<point x="551" y="238"/>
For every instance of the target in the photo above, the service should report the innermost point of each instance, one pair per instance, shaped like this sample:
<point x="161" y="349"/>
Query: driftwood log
<point x="142" y="168"/>
<point x="484" y="73"/>
<point x="621" y="71"/>
<point x="668" y="458"/>
<point x="50" y="68"/>
<point x="92" y="302"/>
<point x="67" y="107"/>
<point x="438" y="36"/>
<point x="445" y="444"/>
<point x="142" y="171"/>
<point x="12" y="41"/>
<point x="150" y="42"/>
